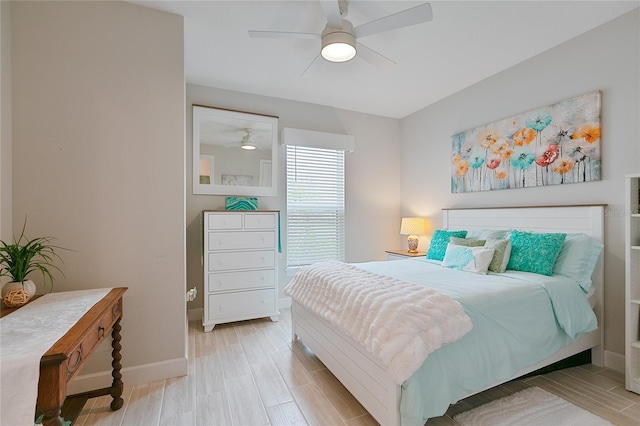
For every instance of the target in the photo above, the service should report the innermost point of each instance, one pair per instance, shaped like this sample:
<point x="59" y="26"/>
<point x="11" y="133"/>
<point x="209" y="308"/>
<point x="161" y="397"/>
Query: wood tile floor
<point x="249" y="373"/>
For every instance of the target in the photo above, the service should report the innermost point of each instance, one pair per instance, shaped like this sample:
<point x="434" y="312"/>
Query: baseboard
<point x="195" y="314"/>
<point x="614" y="361"/>
<point x="137" y="375"/>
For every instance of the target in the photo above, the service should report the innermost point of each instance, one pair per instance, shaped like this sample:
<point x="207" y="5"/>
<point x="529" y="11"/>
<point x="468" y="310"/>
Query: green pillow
<point x="439" y="241"/>
<point x="537" y="253"/>
<point x="500" y="256"/>
<point x="467" y="242"/>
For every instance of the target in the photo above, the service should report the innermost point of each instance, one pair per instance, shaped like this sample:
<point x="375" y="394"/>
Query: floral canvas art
<point x="557" y="144"/>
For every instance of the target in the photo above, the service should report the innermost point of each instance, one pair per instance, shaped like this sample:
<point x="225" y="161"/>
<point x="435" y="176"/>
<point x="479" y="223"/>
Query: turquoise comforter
<point x="519" y="319"/>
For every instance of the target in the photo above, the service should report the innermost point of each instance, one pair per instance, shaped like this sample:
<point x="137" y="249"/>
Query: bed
<point x="429" y="390"/>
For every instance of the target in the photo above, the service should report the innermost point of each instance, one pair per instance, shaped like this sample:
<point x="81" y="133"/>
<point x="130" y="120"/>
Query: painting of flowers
<point x="552" y="145"/>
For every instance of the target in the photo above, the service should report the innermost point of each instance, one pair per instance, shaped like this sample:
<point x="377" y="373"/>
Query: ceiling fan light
<point x="338" y="46"/>
<point x="249" y="146"/>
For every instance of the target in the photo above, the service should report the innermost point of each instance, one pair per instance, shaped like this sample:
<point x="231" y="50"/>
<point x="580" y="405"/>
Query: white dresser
<point x="240" y="266"/>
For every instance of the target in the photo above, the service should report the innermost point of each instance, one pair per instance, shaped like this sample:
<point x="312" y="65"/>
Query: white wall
<point x="98" y="162"/>
<point x="605" y="59"/>
<point x="5" y="122"/>
<point x="372" y="175"/>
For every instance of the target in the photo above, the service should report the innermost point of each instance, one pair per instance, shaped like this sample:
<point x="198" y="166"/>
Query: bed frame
<point x="364" y="376"/>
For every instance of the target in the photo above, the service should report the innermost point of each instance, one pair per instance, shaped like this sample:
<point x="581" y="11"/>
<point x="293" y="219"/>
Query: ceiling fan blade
<point x="331" y="10"/>
<point x="406" y="18"/>
<point x="374" y="58"/>
<point x="283" y="34"/>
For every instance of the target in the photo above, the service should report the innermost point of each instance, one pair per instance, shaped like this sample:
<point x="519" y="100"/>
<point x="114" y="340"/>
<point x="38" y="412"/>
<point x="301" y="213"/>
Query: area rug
<point x="534" y="407"/>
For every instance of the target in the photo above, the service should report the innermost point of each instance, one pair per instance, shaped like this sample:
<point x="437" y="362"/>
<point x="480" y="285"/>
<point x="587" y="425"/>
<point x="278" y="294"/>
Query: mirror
<point x="234" y="153"/>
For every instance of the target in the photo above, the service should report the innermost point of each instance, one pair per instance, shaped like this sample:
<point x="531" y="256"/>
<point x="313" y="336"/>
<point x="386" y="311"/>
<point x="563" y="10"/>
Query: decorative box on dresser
<point x="632" y="280"/>
<point x="240" y="266"/>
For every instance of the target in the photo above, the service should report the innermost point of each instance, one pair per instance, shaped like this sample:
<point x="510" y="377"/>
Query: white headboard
<point x="588" y="219"/>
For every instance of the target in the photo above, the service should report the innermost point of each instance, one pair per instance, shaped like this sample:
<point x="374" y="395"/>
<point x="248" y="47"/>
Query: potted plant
<point x="23" y="256"/>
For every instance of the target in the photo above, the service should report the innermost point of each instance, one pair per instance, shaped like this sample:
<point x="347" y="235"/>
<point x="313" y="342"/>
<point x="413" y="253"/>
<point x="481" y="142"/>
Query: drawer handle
<point x="221" y="282"/>
<point x="100" y="332"/>
<point x="220" y="307"/>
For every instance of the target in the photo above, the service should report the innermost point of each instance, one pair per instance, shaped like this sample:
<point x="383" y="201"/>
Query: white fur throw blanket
<point x="399" y="323"/>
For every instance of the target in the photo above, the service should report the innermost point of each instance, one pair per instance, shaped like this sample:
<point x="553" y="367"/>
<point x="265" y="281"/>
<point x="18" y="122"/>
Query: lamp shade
<point x="412" y="226"/>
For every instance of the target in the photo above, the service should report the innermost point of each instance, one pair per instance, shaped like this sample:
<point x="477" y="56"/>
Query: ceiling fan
<point x="339" y="38"/>
<point x="247" y="142"/>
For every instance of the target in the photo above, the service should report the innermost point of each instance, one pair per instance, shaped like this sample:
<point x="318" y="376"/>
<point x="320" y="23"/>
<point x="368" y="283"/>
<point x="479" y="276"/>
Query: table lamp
<point x="412" y="226"/>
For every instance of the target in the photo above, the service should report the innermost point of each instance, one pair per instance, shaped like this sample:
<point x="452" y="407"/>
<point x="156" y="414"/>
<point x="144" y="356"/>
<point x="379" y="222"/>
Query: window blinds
<point x="315" y="205"/>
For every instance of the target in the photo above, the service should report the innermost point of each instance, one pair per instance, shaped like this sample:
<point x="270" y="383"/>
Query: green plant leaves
<point x="23" y="256"/>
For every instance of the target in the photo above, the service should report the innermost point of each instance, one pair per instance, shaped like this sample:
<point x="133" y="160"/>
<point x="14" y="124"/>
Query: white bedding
<point x="399" y="323"/>
<point x="519" y="318"/>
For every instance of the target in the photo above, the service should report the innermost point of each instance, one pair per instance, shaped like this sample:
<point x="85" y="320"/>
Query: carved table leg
<point x="52" y="417"/>
<point x="117" y="385"/>
<point x="52" y="389"/>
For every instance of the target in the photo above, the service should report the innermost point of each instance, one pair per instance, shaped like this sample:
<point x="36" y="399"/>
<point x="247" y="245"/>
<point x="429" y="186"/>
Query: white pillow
<point x="471" y="259"/>
<point x="577" y="258"/>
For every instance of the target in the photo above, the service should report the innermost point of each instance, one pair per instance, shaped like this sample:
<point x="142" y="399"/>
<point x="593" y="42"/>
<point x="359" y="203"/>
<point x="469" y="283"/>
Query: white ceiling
<point x="466" y="42"/>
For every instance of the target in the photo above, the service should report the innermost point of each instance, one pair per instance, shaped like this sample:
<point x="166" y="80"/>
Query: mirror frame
<point x="200" y="112"/>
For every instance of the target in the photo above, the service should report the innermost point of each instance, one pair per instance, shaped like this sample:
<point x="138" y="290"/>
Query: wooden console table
<point x="62" y="362"/>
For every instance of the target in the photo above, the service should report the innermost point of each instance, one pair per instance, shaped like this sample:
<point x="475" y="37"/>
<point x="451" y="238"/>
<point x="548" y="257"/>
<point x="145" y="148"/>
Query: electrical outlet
<point x="191" y="294"/>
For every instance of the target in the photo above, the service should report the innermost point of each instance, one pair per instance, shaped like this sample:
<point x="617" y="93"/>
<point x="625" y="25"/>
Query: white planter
<point x="28" y="285"/>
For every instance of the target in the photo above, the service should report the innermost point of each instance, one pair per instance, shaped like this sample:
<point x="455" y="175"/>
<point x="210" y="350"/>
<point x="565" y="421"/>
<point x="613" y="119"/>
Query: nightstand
<point x="403" y="254"/>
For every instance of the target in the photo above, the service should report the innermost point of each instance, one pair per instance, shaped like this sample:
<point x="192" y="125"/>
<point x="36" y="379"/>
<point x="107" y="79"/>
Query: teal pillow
<point x="439" y="241"/>
<point x="537" y="253"/>
<point x="577" y="259"/>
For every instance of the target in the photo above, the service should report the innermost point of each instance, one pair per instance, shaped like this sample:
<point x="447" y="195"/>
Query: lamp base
<point x="412" y="241"/>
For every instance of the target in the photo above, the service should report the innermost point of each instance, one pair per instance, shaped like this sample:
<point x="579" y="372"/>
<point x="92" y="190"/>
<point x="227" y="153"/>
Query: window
<point x="315" y="205"/>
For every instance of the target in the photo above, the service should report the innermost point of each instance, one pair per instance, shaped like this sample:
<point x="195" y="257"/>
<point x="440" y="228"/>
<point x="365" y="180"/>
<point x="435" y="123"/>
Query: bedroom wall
<point x="98" y="163"/>
<point x="605" y="59"/>
<point x="372" y="177"/>
<point x="5" y="121"/>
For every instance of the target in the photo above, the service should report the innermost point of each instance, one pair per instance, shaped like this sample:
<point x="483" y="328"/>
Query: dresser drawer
<point x="241" y="240"/>
<point x="242" y="305"/>
<point x="227" y="281"/>
<point x="241" y="260"/>
<point x="224" y="221"/>
<point x="259" y="221"/>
